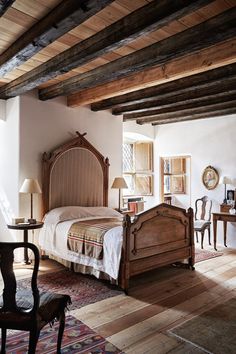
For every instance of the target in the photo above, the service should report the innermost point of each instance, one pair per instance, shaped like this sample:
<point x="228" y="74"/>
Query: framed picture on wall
<point x="230" y="195"/>
<point x="210" y="177"/>
<point x="178" y="184"/>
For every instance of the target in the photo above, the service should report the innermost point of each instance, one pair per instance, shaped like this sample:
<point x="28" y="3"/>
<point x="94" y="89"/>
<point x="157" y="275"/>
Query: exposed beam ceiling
<point x="215" y="56"/>
<point x="4" y="5"/>
<point x="185" y="104"/>
<point x="152" y="61"/>
<point x="218" y="29"/>
<point x="67" y="15"/>
<point x="139" y="23"/>
<point x="212" y="114"/>
<point x="212" y="81"/>
<point x="207" y="108"/>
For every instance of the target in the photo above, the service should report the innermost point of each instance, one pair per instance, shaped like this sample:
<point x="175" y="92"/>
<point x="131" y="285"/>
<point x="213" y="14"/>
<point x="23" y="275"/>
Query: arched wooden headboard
<point x="75" y="173"/>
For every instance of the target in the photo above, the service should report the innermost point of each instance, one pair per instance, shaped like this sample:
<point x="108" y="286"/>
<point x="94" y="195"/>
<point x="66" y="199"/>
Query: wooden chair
<point x="27" y="309"/>
<point x="202" y="218"/>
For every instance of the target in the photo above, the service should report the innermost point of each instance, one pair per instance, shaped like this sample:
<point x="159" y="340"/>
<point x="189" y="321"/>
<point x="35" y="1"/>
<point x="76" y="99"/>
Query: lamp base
<point x="32" y="221"/>
<point x="225" y="201"/>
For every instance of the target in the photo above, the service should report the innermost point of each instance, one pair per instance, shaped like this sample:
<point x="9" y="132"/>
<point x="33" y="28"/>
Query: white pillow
<point x="57" y="215"/>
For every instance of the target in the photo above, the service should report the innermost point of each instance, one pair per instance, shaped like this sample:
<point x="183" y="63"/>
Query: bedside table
<point x="25" y="227"/>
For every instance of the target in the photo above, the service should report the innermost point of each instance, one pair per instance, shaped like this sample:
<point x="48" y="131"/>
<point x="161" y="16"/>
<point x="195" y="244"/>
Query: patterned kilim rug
<point x="203" y="255"/>
<point x="83" y="289"/>
<point x="213" y="331"/>
<point x="77" y="338"/>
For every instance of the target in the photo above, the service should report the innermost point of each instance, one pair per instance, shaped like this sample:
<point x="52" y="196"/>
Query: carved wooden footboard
<point x="157" y="237"/>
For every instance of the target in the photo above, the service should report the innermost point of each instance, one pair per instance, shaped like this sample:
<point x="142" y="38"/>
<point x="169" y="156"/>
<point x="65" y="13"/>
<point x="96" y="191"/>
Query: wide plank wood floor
<point x="160" y="300"/>
<point x="138" y="323"/>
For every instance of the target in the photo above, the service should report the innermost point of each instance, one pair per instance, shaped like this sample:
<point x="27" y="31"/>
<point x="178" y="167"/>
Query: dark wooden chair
<point x="27" y="309"/>
<point x="202" y="218"/>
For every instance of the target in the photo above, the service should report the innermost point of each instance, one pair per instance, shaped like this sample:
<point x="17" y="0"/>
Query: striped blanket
<point x="86" y="237"/>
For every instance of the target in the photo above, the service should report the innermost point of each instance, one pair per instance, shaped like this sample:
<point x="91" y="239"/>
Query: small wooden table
<point x="225" y="217"/>
<point x="25" y="227"/>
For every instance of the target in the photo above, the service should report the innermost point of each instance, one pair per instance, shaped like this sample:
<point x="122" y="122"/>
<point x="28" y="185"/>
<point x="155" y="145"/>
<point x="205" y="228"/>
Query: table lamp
<point x="225" y="180"/>
<point x="119" y="183"/>
<point x="31" y="186"/>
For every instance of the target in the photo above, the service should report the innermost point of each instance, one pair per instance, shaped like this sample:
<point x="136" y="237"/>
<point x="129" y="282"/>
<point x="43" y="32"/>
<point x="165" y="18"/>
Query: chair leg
<point x="197" y="236"/>
<point x="60" y="331"/>
<point x="33" y="340"/>
<point x="209" y="236"/>
<point x="4" y="336"/>
<point x="202" y="238"/>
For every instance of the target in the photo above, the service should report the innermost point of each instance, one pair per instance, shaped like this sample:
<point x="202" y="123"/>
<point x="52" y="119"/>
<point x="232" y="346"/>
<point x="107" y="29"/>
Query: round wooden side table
<point x="25" y="227"/>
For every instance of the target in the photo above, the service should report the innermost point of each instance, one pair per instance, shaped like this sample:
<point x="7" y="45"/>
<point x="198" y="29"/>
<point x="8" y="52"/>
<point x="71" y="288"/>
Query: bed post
<point x="124" y="265"/>
<point x="191" y="260"/>
<point x="45" y="182"/>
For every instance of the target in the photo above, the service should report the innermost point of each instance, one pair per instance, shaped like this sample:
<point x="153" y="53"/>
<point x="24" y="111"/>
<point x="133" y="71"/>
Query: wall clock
<point x="210" y="177"/>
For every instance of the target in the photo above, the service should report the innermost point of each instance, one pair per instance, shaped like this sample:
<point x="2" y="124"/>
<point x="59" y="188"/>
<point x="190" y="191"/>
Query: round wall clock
<point x="210" y="177"/>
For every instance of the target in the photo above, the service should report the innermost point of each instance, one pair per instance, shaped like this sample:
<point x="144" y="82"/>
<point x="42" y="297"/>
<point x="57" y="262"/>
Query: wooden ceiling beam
<point x="67" y="15"/>
<point x="221" y="88"/>
<point x="213" y="114"/>
<point x="189" y="112"/>
<point x="188" y="104"/>
<point x="200" y="81"/>
<point x="218" y="29"/>
<point x="138" y="23"/>
<point x="210" y="58"/>
<point x="4" y="5"/>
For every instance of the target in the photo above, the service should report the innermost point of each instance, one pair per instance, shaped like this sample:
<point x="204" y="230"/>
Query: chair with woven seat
<point x="202" y="218"/>
<point x="27" y="309"/>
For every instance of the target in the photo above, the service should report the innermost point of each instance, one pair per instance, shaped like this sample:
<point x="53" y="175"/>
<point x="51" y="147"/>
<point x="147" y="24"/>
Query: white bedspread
<point x="53" y="239"/>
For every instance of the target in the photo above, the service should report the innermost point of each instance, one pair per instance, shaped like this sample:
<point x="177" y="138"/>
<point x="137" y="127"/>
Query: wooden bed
<point x="77" y="174"/>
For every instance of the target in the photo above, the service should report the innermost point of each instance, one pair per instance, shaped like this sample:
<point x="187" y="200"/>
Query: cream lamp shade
<point x="119" y="183"/>
<point x="233" y="182"/>
<point x="225" y="180"/>
<point x="30" y="186"/>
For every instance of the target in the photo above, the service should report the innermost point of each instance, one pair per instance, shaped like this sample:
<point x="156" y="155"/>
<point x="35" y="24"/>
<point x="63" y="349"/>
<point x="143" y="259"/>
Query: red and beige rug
<point x="83" y="289"/>
<point x="77" y="339"/>
<point x="203" y="255"/>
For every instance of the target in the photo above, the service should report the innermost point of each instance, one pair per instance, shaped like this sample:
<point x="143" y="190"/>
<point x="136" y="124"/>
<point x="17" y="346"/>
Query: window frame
<point x="141" y="148"/>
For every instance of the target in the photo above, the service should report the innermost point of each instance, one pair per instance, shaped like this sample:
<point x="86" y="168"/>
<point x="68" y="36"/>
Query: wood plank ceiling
<point x="157" y="62"/>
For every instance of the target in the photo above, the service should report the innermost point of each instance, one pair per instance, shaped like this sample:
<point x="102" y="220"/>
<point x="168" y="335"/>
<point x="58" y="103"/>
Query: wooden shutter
<point x="143" y="157"/>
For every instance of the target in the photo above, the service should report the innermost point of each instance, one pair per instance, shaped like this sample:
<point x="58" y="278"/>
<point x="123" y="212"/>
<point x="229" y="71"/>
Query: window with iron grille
<point x="138" y="168"/>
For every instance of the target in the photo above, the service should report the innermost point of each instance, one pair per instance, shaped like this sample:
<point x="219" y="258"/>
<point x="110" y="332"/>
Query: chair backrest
<point x="9" y="298"/>
<point x="203" y="209"/>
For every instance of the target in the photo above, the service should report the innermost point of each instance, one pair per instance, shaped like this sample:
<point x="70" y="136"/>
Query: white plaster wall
<point x="45" y="125"/>
<point x="147" y="129"/>
<point x="208" y="142"/>
<point x="9" y="167"/>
